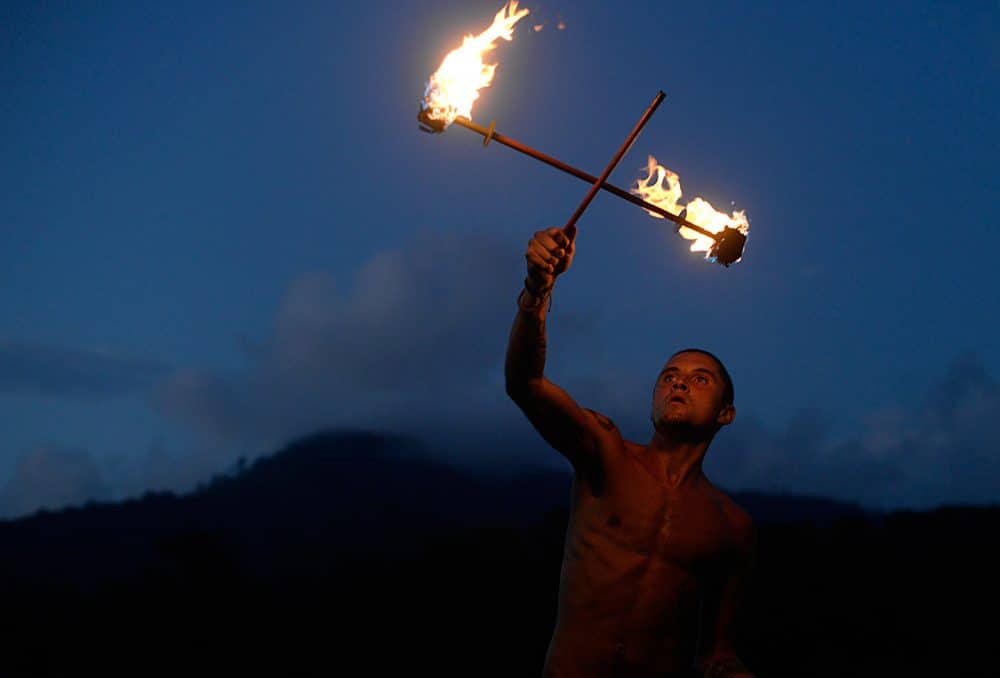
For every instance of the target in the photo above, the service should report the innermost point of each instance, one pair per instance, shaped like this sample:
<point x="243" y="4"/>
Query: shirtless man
<point x="656" y="557"/>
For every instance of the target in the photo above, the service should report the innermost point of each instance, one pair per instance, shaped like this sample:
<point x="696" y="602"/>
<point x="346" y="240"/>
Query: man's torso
<point x="637" y="555"/>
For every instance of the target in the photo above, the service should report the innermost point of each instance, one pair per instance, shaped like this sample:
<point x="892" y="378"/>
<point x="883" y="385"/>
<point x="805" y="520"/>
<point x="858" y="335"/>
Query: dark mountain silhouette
<point x="350" y="546"/>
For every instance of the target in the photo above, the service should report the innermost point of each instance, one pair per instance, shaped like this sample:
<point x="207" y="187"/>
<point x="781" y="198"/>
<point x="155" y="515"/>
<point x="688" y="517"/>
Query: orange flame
<point x="455" y="86"/>
<point x="662" y="187"/>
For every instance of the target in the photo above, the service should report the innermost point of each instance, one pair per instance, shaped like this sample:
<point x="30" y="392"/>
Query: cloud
<point x="51" y="477"/>
<point x="942" y="450"/>
<point x="416" y="345"/>
<point x="34" y="369"/>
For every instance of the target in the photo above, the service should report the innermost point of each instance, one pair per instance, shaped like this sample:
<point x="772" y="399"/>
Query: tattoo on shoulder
<point x="605" y="423"/>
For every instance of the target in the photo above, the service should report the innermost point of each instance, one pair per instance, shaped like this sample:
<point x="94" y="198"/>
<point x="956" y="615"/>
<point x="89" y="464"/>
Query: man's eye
<point x="701" y="379"/>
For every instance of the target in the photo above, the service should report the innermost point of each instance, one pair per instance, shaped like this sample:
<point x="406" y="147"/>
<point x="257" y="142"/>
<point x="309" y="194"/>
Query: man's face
<point x="689" y="393"/>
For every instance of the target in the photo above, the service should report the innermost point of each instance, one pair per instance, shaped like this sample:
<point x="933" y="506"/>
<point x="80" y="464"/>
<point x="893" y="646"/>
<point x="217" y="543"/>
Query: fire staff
<point x="656" y="557"/>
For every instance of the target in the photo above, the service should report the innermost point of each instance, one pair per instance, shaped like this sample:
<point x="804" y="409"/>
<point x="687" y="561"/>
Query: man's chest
<point x="637" y="514"/>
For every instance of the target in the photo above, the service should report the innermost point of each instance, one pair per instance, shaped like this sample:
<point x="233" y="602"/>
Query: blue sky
<point x="220" y="229"/>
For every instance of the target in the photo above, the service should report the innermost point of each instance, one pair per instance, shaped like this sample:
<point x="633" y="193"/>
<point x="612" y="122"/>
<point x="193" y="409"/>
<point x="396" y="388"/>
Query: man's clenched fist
<point x="549" y="254"/>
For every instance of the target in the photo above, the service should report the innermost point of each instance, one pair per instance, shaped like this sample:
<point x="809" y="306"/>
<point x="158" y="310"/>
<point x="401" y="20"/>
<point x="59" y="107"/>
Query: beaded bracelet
<point x="539" y="296"/>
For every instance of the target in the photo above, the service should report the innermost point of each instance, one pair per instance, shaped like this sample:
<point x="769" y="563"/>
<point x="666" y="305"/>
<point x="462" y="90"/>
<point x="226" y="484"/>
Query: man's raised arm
<point x="580" y="435"/>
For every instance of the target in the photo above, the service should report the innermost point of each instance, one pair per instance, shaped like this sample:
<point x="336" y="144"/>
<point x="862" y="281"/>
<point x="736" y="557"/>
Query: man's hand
<point x="549" y="254"/>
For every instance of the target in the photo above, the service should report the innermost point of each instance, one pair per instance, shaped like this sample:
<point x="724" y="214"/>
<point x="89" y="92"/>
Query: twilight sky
<point x="220" y="229"/>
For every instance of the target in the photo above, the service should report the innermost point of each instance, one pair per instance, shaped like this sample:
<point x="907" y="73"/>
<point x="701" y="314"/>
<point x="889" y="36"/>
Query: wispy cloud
<point x="944" y="449"/>
<point x="36" y="369"/>
<point x="415" y="343"/>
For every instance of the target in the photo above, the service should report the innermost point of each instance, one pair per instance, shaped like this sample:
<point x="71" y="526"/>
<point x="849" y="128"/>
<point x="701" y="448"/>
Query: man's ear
<point x="726" y="415"/>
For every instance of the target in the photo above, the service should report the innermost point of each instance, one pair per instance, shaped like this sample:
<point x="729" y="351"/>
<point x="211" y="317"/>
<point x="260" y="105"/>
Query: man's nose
<point x="679" y="385"/>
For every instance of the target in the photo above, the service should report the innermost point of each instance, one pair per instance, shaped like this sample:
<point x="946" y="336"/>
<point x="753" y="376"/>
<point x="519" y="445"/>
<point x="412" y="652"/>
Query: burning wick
<point x="455" y="85"/>
<point x="662" y="187"/>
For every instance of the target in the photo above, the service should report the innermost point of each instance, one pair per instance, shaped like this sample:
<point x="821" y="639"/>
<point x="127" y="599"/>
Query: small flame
<point x="662" y="187"/>
<point x="455" y="85"/>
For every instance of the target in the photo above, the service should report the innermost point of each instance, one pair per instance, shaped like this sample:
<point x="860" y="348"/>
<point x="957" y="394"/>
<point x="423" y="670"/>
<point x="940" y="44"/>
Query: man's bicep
<point x="579" y="434"/>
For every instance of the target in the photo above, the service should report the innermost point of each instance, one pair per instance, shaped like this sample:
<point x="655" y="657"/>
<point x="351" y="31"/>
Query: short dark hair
<point x="729" y="395"/>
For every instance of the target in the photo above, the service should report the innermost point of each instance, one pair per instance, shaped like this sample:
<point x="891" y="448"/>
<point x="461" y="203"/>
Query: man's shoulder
<point x="601" y="419"/>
